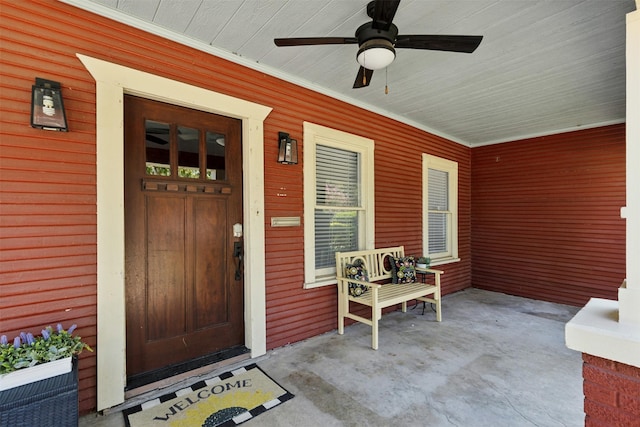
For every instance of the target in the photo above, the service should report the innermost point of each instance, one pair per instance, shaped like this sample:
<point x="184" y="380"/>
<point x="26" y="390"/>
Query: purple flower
<point x="60" y="328"/>
<point x="23" y="337"/>
<point x="16" y="343"/>
<point x="4" y="340"/>
<point x="72" y="328"/>
<point x="45" y="334"/>
<point x="30" y="338"/>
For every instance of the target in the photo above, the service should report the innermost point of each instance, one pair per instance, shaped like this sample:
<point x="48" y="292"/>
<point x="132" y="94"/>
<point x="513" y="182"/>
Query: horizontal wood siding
<point x="546" y="216"/>
<point x="47" y="190"/>
<point x="47" y="179"/>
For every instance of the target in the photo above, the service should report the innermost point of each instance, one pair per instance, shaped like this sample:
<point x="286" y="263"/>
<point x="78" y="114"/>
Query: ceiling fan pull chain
<point x="386" y="81"/>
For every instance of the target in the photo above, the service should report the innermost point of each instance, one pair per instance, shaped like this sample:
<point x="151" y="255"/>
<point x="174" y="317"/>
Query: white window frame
<point x="319" y="135"/>
<point x="451" y="167"/>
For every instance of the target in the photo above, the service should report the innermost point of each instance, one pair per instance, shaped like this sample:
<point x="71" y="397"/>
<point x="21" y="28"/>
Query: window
<point x="190" y="150"/>
<point x="338" y="199"/>
<point x="440" y="208"/>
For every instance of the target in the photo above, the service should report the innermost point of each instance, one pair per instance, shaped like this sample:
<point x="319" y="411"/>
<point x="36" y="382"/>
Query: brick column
<point x="611" y="393"/>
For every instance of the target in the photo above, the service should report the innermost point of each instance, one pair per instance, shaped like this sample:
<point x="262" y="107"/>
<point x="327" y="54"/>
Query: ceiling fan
<point x="378" y="39"/>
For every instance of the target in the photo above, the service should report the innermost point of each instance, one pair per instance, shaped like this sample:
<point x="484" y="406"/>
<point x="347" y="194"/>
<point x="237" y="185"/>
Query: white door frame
<point x="112" y="83"/>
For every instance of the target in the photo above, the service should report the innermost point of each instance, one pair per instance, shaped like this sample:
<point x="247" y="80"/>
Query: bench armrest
<point x="429" y="270"/>
<point x="360" y="282"/>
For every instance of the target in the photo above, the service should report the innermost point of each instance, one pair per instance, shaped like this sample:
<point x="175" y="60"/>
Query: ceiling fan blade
<point x="383" y="13"/>
<point x="465" y="44"/>
<point x="306" y="41"/>
<point x="363" y="78"/>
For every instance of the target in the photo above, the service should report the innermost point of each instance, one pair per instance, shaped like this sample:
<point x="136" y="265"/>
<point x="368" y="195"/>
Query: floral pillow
<point x="403" y="270"/>
<point x="356" y="271"/>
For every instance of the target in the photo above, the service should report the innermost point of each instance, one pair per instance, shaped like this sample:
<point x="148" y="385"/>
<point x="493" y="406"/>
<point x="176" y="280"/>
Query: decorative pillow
<point x="356" y="271"/>
<point x="403" y="270"/>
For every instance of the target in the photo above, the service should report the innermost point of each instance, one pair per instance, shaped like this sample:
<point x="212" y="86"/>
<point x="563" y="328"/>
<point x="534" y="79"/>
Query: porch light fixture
<point x="47" y="108"/>
<point x="375" y="54"/>
<point x="288" y="152"/>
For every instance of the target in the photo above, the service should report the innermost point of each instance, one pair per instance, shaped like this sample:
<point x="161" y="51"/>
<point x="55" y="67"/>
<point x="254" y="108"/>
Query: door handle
<point x="238" y="252"/>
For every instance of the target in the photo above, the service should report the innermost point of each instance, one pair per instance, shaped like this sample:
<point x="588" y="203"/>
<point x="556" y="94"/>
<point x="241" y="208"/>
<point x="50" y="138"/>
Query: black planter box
<point x="50" y="402"/>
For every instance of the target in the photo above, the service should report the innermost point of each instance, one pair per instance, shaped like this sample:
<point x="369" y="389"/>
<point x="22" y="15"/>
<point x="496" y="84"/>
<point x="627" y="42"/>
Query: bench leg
<point x="437" y="297"/>
<point x="375" y="316"/>
<point x="404" y="306"/>
<point x="341" y="310"/>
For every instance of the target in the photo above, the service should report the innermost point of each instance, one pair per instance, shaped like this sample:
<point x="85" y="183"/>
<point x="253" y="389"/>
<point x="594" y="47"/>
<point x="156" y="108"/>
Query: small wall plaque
<point x="285" y="221"/>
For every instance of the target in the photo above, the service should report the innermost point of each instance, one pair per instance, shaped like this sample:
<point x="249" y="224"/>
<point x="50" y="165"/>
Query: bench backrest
<point x="373" y="259"/>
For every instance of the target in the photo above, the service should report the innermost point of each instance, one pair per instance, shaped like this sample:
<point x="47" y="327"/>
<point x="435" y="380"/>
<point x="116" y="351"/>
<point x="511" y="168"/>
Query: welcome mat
<point x="227" y="400"/>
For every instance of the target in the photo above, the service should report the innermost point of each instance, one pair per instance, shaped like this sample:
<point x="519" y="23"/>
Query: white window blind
<point x="439" y="212"/>
<point x="338" y="203"/>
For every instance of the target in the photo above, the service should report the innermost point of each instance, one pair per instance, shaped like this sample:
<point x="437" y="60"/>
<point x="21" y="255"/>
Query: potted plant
<point x="39" y="377"/>
<point x="44" y="353"/>
<point x="423" y="262"/>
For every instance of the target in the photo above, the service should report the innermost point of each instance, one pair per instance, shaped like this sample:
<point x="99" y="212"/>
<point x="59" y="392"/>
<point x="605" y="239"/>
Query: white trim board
<point x="112" y="83"/>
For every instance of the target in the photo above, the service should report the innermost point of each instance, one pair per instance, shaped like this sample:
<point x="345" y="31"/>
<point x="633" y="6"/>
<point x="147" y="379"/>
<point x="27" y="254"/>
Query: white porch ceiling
<point x="544" y="66"/>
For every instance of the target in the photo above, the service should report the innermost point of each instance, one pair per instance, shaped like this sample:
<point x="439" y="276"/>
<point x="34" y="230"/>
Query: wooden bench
<point x="380" y="295"/>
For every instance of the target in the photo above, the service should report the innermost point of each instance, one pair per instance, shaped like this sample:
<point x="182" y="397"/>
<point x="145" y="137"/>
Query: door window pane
<point x="158" y="153"/>
<point x="215" y="155"/>
<point x="188" y="152"/>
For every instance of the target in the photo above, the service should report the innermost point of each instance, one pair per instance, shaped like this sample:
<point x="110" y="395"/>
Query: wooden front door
<point x="183" y="195"/>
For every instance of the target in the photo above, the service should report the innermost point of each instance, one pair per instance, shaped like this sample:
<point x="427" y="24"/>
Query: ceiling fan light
<point x="375" y="54"/>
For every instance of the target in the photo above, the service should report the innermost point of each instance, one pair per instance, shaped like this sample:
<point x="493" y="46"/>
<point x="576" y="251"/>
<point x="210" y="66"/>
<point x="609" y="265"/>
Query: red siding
<point x="47" y="193"/>
<point x="546" y="216"/>
<point x="47" y="181"/>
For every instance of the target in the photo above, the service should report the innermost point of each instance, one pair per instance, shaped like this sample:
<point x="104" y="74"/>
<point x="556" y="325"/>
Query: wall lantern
<point x="47" y="109"/>
<point x="288" y="153"/>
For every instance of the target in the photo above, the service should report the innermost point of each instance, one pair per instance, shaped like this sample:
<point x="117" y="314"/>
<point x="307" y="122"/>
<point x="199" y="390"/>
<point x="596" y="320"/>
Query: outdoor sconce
<point x="47" y="109"/>
<point x="288" y="154"/>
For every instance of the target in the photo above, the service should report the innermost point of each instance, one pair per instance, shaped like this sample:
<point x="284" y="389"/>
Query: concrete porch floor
<point x="495" y="360"/>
